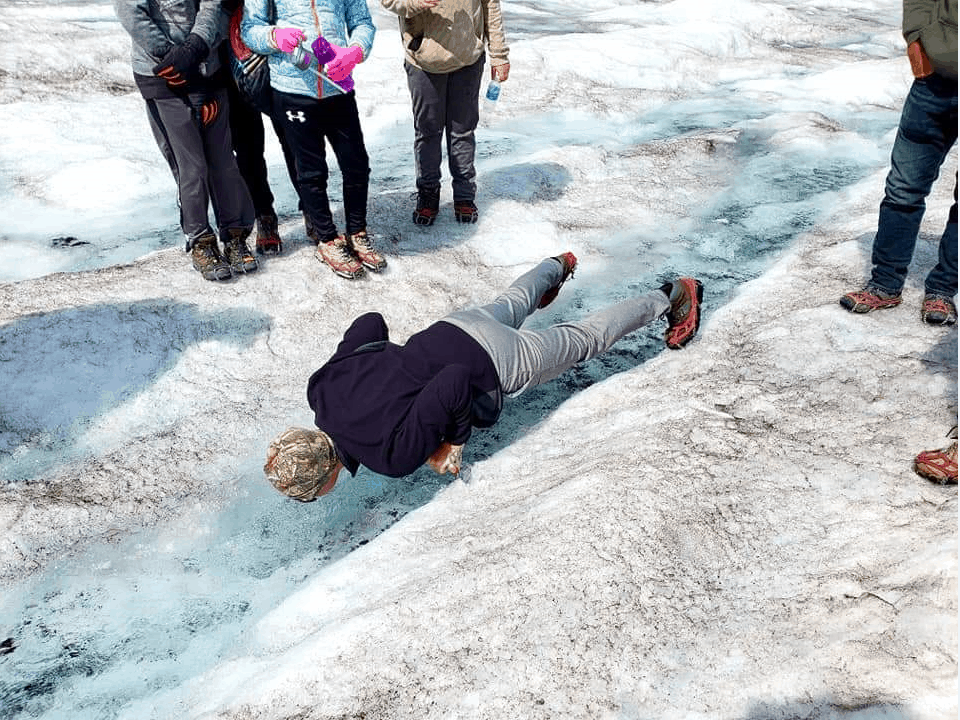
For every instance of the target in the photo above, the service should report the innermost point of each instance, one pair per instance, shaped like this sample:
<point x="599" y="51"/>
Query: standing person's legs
<point x="304" y="126"/>
<point x="176" y="129"/>
<point x="246" y="132"/>
<point x="428" y="93"/>
<point x="231" y="199"/>
<point x="927" y="131"/>
<point x="463" y="114"/>
<point x="942" y="280"/>
<point x="346" y="140"/>
<point x="288" y="158"/>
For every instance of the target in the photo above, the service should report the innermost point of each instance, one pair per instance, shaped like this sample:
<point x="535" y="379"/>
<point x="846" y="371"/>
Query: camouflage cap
<point x="300" y="462"/>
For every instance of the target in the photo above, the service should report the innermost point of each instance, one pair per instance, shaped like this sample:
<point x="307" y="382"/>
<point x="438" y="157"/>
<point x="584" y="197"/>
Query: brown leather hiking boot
<point x="208" y="260"/>
<point x="236" y="252"/>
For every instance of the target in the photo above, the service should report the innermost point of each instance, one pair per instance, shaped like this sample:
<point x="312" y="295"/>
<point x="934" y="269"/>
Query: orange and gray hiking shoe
<point x="939" y="466"/>
<point x="869" y="299"/>
<point x="938" y="310"/>
<point x="337" y="254"/>
<point x="683" y="317"/>
<point x="569" y="262"/>
<point x="360" y="245"/>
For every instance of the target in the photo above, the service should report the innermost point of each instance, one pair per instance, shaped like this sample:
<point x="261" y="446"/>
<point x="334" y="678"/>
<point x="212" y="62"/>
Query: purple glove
<point x="344" y="62"/>
<point x="286" y="39"/>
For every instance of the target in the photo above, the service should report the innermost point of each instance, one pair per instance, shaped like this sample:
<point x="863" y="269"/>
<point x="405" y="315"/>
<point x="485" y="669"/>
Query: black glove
<point x="182" y="61"/>
<point x="209" y="111"/>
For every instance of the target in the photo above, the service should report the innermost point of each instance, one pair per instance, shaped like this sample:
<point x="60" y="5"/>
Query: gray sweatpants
<point x="526" y="358"/>
<point x="203" y="164"/>
<point x="446" y="105"/>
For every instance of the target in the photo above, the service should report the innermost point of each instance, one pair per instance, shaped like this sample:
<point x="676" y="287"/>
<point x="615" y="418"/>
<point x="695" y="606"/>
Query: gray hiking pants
<point x="202" y="162"/>
<point x="446" y="104"/>
<point x="526" y="358"/>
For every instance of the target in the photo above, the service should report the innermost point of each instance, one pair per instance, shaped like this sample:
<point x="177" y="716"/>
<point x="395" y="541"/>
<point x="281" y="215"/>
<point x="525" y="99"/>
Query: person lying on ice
<point x="393" y="408"/>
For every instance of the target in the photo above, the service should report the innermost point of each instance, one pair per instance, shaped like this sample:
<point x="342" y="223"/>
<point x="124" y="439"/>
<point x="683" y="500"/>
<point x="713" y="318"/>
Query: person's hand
<point x="208" y="112"/>
<point x="182" y="60"/>
<point x="286" y="39"/>
<point x="919" y="62"/>
<point x="500" y="72"/>
<point x="344" y="62"/>
<point x="446" y="459"/>
<point x="421" y="5"/>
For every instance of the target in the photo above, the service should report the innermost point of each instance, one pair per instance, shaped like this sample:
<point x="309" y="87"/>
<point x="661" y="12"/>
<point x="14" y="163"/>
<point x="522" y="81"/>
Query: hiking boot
<point x="869" y="299"/>
<point x="208" y="260"/>
<point x="938" y="310"/>
<point x="939" y="466"/>
<point x="268" y="236"/>
<point x="236" y="252"/>
<point x="569" y="262"/>
<point x="369" y="258"/>
<point x="683" y="317"/>
<point x="337" y="254"/>
<point x="428" y="205"/>
<point x="465" y="211"/>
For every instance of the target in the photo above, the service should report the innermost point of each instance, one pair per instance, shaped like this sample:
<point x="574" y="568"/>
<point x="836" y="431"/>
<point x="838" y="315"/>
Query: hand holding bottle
<point x="286" y="39"/>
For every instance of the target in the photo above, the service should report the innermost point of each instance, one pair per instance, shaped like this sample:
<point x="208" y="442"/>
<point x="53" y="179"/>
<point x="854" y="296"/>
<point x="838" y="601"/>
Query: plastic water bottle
<point x="493" y="90"/>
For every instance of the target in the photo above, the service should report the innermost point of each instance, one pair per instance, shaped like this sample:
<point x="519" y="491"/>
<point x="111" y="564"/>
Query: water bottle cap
<point x="322" y="50"/>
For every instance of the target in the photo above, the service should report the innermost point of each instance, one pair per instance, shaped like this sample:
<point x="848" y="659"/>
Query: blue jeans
<point x="927" y="132"/>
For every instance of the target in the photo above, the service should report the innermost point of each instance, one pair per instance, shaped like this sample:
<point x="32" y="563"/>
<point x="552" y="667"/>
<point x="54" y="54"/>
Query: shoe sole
<point x="342" y="273"/>
<point x="270" y="249"/>
<point x="421" y="220"/>
<point x="374" y="267"/>
<point x="467" y="219"/>
<point x="245" y="269"/>
<point x="215" y="274"/>
<point x="940" y="321"/>
<point x="848" y="303"/>
<point x="695" y="308"/>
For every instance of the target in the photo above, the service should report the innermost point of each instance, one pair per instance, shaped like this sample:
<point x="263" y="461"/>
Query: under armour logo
<point x="291" y="116"/>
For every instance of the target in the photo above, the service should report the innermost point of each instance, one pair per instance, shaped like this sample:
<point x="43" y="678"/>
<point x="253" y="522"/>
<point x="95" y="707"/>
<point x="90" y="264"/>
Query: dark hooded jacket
<point x="389" y="406"/>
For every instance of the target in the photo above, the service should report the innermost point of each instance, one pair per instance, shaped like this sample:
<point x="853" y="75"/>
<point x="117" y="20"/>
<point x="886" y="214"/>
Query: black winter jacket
<point x="389" y="407"/>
